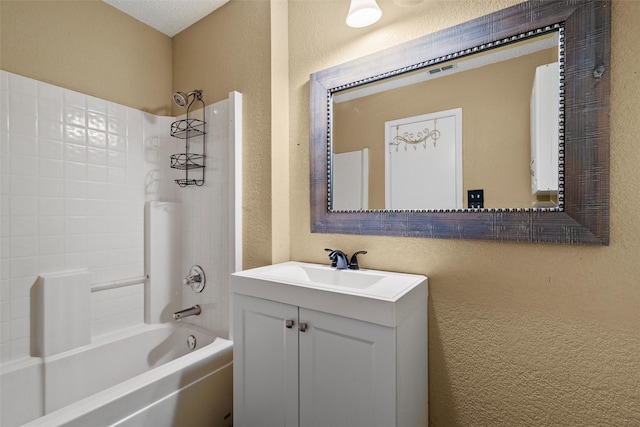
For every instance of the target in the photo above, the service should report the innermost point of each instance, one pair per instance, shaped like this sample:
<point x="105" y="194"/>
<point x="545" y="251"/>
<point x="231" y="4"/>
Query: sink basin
<point x="371" y="295"/>
<point x="311" y="273"/>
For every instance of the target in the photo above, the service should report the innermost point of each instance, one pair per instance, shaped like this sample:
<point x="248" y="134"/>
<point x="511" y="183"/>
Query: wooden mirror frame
<point x="584" y="215"/>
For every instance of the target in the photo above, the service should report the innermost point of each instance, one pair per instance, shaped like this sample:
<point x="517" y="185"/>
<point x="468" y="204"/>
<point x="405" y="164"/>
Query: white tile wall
<point x="72" y="196"/>
<point x="75" y="172"/>
<point x="205" y="214"/>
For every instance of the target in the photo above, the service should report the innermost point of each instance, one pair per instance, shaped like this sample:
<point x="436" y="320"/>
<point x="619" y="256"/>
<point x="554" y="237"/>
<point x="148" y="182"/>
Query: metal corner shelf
<point x="187" y="128"/>
<point x="187" y="161"/>
<point x="185" y="182"/>
<point x="191" y="130"/>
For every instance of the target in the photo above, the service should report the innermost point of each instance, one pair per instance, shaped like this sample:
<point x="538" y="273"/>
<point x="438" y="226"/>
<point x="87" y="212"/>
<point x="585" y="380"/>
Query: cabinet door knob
<point x="302" y="327"/>
<point x="289" y="323"/>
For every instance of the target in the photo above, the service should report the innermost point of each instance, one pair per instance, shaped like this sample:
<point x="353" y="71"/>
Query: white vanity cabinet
<point x="324" y="370"/>
<point x="327" y="360"/>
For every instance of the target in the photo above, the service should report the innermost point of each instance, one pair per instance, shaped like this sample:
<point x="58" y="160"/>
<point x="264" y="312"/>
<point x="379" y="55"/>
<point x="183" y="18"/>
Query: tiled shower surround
<point x="75" y="174"/>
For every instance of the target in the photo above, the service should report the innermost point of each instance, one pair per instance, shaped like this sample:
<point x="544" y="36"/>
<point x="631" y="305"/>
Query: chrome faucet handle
<point x="195" y="278"/>
<point x="353" y="264"/>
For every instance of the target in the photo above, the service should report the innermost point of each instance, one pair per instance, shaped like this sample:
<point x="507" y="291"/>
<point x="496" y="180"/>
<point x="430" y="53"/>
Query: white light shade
<point x="363" y="13"/>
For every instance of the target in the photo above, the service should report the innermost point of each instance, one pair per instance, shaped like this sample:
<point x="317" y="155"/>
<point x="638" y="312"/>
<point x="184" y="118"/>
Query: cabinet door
<point x="265" y="381"/>
<point x="347" y="372"/>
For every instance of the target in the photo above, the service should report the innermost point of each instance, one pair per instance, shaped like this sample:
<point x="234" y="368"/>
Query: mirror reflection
<point x="478" y="131"/>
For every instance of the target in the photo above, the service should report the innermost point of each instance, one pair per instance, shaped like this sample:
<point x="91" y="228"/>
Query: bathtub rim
<point x="128" y="332"/>
<point x="222" y="348"/>
<point x="13" y="365"/>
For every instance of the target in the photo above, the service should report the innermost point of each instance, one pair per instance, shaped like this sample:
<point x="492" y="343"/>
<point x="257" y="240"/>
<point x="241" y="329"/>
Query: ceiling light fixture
<point x="363" y="13"/>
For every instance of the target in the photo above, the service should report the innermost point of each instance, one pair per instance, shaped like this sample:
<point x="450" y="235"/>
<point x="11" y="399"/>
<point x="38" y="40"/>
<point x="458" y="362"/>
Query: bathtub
<point x="141" y="376"/>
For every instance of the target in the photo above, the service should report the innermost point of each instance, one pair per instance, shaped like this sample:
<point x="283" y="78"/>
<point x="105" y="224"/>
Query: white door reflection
<point x="423" y="164"/>
<point x="351" y="170"/>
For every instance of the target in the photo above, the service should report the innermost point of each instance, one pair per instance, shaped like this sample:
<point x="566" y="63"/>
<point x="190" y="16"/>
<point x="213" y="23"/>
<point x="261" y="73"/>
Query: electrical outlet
<point x="475" y="199"/>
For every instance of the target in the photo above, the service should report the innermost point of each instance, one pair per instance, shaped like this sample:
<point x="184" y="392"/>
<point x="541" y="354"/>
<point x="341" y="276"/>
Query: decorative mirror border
<point x="584" y="217"/>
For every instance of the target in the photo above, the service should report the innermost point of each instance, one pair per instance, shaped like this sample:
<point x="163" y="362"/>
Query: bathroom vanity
<point x="316" y="346"/>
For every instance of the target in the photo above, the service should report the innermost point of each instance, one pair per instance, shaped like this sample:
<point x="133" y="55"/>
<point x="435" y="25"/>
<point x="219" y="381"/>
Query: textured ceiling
<point x="167" y="16"/>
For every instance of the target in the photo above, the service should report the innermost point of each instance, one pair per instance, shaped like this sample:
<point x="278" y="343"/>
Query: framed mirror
<point x="512" y="108"/>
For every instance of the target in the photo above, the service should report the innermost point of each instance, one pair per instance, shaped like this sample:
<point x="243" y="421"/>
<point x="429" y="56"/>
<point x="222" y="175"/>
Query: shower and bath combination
<point x="196" y="280"/>
<point x="192" y="130"/>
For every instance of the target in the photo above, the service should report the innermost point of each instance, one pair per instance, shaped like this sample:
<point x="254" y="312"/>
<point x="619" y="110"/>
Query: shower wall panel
<point x="206" y="230"/>
<point x="73" y="189"/>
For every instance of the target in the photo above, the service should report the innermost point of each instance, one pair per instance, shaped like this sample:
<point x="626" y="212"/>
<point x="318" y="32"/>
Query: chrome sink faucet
<point x="339" y="259"/>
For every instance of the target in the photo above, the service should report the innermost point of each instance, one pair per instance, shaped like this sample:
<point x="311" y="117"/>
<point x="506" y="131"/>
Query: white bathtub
<point x="142" y="376"/>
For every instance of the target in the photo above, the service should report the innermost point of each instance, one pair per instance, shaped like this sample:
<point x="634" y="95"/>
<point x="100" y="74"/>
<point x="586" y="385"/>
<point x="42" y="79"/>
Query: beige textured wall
<point x="229" y="50"/>
<point x="519" y="334"/>
<point x="89" y="47"/>
<point x="280" y="201"/>
<point x="96" y="49"/>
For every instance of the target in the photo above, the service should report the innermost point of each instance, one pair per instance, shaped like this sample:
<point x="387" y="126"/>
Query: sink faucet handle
<point x="338" y="259"/>
<point x="334" y="260"/>
<point x="353" y="264"/>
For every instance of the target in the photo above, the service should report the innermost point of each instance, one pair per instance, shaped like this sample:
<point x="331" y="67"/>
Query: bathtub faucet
<point x="191" y="311"/>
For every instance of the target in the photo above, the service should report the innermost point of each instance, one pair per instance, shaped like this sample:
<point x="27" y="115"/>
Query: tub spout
<point x="191" y="311"/>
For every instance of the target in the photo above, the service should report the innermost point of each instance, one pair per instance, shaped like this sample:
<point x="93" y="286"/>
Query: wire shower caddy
<point x="192" y="131"/>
